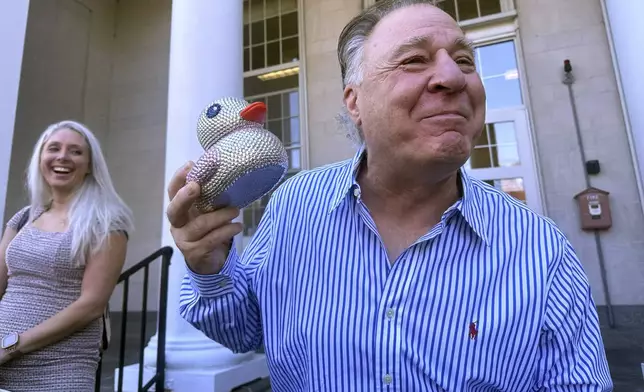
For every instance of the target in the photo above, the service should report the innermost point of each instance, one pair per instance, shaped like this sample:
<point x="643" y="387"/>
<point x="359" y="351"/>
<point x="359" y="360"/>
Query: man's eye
<point x="464" y="61"/>
<point x="414" y="60"/>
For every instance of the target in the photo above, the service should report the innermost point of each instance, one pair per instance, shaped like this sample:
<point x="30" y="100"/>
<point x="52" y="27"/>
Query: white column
<point x="206" y="62"/>
<point x="626" y="32"/>
<point x="13" y="25"/>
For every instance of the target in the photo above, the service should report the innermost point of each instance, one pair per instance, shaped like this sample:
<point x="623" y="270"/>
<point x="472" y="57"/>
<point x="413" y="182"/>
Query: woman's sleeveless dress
<point x="42" y="282"/>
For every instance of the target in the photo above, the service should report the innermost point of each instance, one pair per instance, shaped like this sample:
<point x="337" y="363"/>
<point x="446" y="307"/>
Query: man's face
<point x="421" y="100"/>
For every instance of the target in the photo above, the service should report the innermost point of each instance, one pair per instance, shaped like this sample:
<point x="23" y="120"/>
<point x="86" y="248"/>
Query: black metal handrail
<point x="158" y="380"/>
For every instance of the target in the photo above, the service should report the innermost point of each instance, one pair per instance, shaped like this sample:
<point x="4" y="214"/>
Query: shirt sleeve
<point x="571" y="355"/>
<point x="224" y="305"/>
<point x="19" y="218"/>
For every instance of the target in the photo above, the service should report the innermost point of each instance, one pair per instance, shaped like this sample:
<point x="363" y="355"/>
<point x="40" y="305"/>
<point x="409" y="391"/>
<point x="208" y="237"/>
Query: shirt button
<point x="387" y="379"/>
<point x="390" y="313"/>
<point x="356" y="192"/>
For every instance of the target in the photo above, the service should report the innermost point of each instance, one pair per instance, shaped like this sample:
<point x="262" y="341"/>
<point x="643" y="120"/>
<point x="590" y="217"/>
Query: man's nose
<point x="448" y="76"/>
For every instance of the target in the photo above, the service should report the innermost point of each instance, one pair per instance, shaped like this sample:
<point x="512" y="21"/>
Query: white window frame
<point x="506" y="6"/>
<point x="242" y="240"/>
<point x="496" y="29"/>
<point x="301" y="81"/>
<point x="526" y="170"/>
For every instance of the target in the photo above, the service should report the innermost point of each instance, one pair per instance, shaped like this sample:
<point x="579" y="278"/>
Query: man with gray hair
<point x="395" y="270"/>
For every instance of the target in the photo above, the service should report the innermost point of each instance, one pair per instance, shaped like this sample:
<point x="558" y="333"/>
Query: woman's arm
<point x="101" y="275"/>
<point x="9" y="234"/>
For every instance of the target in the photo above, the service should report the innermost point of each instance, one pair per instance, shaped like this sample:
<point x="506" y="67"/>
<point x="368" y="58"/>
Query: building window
<point x="497" y="146"/>
<point x="462" y="10"/>
<point x="467" y="10"/>
<point x="502" y="155"/>
<point x="497" y="65"/>
<point x="270" y="33"/>
<point x="272" y="76"/>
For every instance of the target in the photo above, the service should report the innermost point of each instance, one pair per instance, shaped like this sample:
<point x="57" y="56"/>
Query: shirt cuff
<point x="219" y="284"/>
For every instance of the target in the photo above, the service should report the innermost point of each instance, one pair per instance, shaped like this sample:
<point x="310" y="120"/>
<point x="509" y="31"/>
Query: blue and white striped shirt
<point x="493" y="298"/>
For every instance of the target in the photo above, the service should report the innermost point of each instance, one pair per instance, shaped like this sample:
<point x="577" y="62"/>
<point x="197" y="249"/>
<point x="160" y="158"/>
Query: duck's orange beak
<point x="255" y="112"/>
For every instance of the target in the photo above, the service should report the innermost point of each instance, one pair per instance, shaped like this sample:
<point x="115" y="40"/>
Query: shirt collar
<point x="469" y="205"/>
<point x="347" y="178"/>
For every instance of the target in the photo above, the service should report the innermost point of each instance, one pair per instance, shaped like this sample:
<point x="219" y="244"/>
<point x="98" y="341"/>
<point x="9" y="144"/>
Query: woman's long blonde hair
<point x="96" y="208"/>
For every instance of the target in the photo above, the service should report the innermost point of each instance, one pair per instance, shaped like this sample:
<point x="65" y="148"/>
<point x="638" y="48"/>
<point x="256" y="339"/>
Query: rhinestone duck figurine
<point x="242" y="160"/>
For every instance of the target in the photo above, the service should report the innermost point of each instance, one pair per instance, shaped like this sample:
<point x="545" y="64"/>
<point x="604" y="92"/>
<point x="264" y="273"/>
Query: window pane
<point x="257" y="32"/>
<point x="504" y="144"/>
<point x="480" y="158"/>
<point x="275" y="127"/>
<point x="246" y="16"/>
<point x="274" y="106"/>
<point x="291" y="131"/>
<point x="512" y="186"/>
<point x="505" y="156"/>
<point x="289" y="24"/>
<point x="273" y="54"/>
<point x="246" y="60"/>
<point x="502" y="93"/>
<point x="497" y="147"/>
<point x="294" y="159"/>
<point x="256" y="10"/>
<point x="290" y="50"/>
<point x="497" y="65"/>
<point x="257" y="59"/>
<point x="467" y="9"/>
<point x="291" y="104"/>
<point x="502" y="133"/>
<point x="273" y="29"/>
<point x="497" y="59"/>
<point x="288" y="5"/>
<point x="489" y="7"/>
<point x="272" y="8"/>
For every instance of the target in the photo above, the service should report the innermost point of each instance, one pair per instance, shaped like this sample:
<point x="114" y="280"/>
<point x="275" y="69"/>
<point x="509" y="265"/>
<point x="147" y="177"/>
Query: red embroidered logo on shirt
<point x="473" y="330"/>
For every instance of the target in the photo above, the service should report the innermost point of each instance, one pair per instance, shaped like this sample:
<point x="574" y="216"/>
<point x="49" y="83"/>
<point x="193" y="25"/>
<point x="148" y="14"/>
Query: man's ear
<point x="351" y="103"/>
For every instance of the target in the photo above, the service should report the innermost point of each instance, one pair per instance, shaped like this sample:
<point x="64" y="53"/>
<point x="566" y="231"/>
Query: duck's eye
<point x="213" y="110"/>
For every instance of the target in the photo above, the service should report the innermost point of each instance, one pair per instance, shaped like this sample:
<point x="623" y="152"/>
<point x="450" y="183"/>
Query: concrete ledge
<point x="193" y="380"/>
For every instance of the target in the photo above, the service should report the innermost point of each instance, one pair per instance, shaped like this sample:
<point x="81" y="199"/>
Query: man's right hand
<point x="203" y="239"/>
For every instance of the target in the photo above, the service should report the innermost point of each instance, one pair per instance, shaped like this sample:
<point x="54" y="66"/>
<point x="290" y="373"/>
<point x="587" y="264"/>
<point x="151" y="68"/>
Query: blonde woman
<point x="60" y="258"/>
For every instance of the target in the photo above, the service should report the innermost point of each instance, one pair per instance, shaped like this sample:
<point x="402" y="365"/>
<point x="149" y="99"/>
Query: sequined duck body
<point x="242" y="161"/>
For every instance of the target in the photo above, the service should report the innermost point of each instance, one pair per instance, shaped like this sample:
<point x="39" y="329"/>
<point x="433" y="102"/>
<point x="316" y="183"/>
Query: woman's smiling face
<point x="65" y="160"/>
